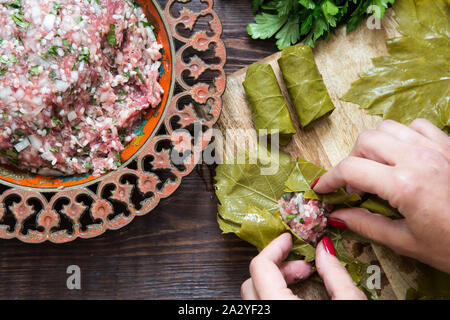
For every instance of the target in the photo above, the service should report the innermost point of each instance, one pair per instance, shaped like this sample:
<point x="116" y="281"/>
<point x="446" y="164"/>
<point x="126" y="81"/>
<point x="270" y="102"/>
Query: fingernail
<point x="336" y="223"/>
<point x="314" y="183"/>
<point x="328" y="245"/>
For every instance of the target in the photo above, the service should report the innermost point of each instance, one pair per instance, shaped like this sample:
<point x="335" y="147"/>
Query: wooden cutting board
<point x="329" y="140"/>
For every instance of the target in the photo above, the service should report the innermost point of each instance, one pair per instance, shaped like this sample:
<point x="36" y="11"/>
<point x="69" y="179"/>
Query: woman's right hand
<point x="410" y="168"/>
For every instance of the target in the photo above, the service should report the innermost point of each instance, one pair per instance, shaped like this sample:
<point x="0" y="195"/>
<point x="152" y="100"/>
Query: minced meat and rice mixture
<point x="306" y="217"/>
<point x="76" y="77"/>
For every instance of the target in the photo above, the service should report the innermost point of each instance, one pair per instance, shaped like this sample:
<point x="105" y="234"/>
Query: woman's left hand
<point x="271" y="275"/>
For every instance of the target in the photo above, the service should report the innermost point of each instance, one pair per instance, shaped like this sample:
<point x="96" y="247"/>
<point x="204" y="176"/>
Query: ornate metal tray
<point x="60" y="209"/>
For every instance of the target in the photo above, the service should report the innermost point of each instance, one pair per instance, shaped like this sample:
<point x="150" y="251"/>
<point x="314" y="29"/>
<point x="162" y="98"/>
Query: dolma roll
<point x="268" y="105"/>
<point x="304" y="84"/>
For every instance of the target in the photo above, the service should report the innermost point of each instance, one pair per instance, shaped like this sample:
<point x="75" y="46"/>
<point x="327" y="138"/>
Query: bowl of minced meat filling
<point x="76" y="79"/>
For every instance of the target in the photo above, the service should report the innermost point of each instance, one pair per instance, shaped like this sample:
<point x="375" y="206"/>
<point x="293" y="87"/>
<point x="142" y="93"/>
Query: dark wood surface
<point x="175" y="252"/>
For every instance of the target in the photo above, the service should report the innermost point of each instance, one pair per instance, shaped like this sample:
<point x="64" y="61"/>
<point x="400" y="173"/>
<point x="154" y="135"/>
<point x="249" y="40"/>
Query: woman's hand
<point x="410" y="168"/>
<point x="270" y="275"/>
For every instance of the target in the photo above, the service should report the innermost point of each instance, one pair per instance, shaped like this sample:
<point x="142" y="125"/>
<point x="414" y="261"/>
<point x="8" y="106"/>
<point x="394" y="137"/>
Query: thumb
<point x="338" y="282"/>
<point x="392" y="233"/>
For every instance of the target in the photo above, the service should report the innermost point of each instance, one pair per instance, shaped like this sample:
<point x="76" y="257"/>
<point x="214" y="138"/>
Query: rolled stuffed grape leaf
<point x="268" y="106"/>
<point x="249" y="200"/>
<point x="305" y="84"/>
<point x="245" y="194"/>
<point x="414" y="80"/>
<point x="249" y="205"/>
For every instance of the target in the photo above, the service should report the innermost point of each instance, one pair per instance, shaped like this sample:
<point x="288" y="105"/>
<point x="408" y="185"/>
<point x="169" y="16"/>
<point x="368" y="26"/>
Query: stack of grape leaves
<point x="341" y="60"/>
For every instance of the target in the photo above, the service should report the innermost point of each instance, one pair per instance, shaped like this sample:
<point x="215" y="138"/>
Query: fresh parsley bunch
<point x="291" y="21"/>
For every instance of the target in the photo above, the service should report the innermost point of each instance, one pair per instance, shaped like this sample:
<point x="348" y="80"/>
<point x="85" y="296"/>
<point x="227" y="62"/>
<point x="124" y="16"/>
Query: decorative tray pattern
<point x="88" y="208"/>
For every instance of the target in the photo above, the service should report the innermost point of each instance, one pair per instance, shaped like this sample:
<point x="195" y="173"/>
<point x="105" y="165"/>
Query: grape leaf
<point x="242" y="185"/>
<point x="414" y="80"/>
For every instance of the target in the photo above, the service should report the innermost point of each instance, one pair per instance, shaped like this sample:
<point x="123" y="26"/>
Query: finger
<point x="392" y="233"/>
<point x="413" y="137"/>
<point x="381" y="147"/>
<point x="350" y="189"/>
<point x="362" y="174"/>
<point x="294" y="271"/>
<point x="427" y="129"/>
<point x="248" y="291"/>
<point x="267" y="278"/>
<point x="337" y="281"/>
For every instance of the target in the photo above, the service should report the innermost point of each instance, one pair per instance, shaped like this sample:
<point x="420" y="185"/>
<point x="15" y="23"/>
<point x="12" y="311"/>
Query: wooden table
<point x="175" y="252"/>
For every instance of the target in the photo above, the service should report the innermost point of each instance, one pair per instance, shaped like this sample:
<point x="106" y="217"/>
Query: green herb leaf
<point x="52" y="75"/>
<point x="67" y="43"/>
<point x="266" y="25"/>
<point x="256" y="5"/>
<point x="314" y="19"/>
<point x="16" y="4"/>
<point x="34" y="71"/>
<point x="140" y="75"/>
<point x="57" y="8"/>
<point x="329" y="8"/>
<point x="289" y="33"/>
<point x="309" y="4"/>
<point x="53" y="50"/>
<point x="20" y="21"/>
<point x="111" y="35"/>
<point x="84" y="56"/>
<point x="148" y="24"/>
<point x="56" y="121"/>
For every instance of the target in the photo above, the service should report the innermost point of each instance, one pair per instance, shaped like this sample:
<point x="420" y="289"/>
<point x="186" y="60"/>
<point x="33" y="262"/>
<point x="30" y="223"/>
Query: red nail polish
<point x="336" y="223"/>
<point x="328" y="245"/>
<point x="314" y="183"/>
